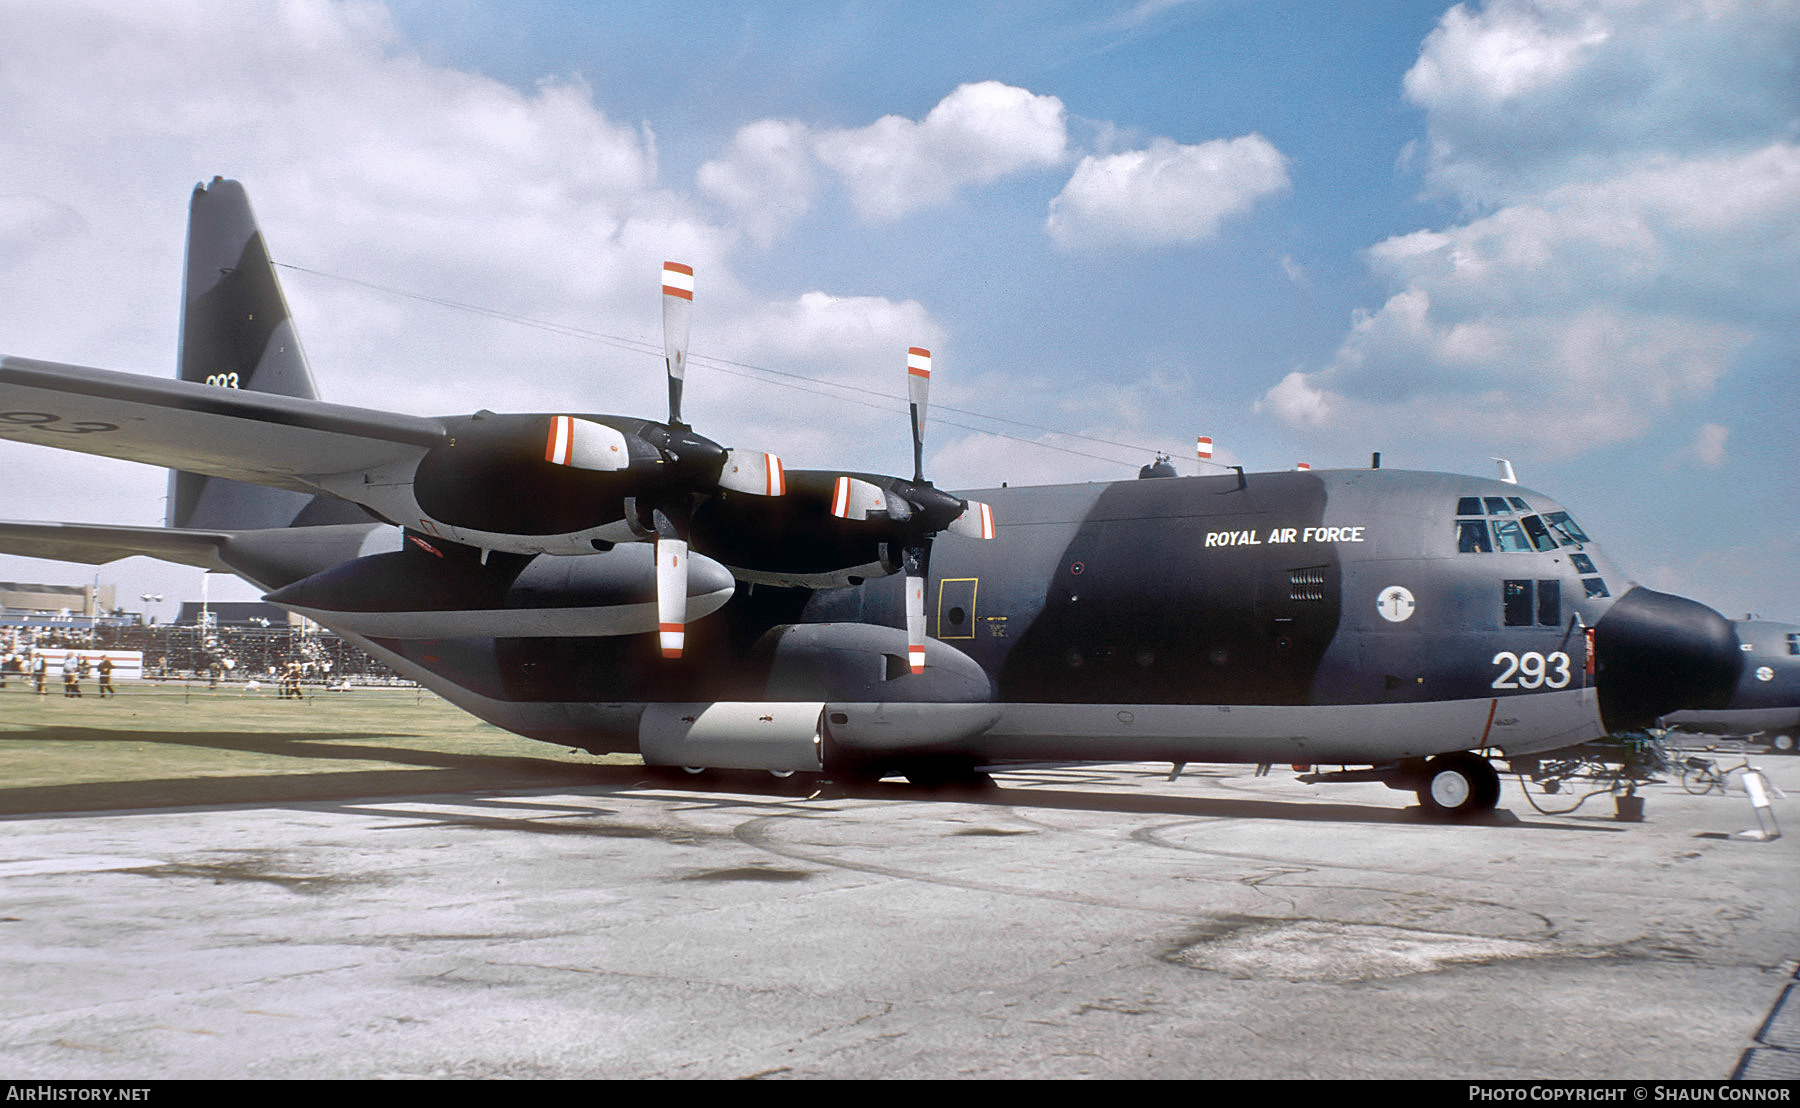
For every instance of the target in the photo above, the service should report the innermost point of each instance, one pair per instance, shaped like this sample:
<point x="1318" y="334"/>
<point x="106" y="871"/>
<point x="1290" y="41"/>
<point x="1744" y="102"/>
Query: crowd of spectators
<point x="279" y="656"/>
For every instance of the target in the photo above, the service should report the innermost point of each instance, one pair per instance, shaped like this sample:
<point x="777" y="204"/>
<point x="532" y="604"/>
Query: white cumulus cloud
<point x="767" y="177"/>
<point x="1602" y="278"/>
<point x="1521" y="95"/>
<point x="1166" y="193"/>
<point x="977" y="134"/>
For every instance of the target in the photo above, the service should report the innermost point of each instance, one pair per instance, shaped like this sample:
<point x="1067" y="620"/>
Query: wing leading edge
<point x="279" y="441"/>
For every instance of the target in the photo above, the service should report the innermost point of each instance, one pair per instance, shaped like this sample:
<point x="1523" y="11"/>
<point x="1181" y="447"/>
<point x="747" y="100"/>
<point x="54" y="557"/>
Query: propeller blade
<point x="671" y="594"/>
<point x="753" y="473"/>
<point x="918" y="390"/>
<point x="976" y="522"/>
<point x="678" y="314"/>
<point x="853" y="498"/>
<point x="915" y="623"/>
<point x="916" y="562"/>
<point x="584" y="444"/>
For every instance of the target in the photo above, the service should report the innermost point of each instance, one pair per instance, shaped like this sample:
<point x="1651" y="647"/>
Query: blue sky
<point x="1561" y="232"/>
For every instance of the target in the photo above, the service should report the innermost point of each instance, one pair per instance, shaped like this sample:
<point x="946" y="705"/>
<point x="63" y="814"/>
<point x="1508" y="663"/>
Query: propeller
<point x="569" y="484"/>
<point x="918" y="510"/>
<point x="696" y="467"/>
<point x="675" y="467"/>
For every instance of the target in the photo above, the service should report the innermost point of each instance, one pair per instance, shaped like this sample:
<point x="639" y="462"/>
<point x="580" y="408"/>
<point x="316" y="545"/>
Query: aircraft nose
<point x="1656" y="653"/>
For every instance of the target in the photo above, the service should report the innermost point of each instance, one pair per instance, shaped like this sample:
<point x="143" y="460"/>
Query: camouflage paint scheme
<point x="1345" y="617"/>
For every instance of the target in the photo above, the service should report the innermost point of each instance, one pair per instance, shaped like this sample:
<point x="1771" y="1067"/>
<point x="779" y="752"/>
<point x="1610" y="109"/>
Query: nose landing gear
<point x="1459" y="785"/>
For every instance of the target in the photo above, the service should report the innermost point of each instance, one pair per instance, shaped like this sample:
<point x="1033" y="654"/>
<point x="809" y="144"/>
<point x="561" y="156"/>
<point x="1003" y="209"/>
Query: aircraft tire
<point x="1782" y="743"/>
<point x="1459" y="786"/>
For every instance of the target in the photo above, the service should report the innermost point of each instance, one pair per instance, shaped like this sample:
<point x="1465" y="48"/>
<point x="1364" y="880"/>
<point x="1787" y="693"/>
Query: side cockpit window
<point x="1570" y="531"/>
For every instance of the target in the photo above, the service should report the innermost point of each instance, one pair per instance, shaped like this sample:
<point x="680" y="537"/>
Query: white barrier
<point x="128" y="665"/>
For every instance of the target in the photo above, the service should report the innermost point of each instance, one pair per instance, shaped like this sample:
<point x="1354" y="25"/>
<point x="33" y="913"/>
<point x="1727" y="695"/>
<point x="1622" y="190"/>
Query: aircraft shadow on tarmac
<point x="418" y="772"/>
<point x="413" y="771"/>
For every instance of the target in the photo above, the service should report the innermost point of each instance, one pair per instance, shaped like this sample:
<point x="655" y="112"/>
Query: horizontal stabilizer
<point x="96" y="544"/>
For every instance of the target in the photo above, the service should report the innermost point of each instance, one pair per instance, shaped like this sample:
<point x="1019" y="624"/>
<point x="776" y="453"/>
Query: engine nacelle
<point x="497" y="475"/>
<point x="864" y="663"/>
<point x="414" y="595"/>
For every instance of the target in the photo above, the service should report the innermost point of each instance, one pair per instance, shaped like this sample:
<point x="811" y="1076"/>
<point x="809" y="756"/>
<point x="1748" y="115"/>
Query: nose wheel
<point x="1459" y="786"/>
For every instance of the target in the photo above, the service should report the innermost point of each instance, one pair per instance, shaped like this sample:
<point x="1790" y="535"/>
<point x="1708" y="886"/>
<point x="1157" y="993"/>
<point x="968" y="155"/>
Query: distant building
<point x="238" y="613"/>
<point x="27" y="603"/>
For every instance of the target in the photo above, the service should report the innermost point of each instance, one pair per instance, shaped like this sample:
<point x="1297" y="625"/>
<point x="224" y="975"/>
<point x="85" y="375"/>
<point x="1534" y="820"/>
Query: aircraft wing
<point x="264" y="439"/>
<point x="96" y="544"/>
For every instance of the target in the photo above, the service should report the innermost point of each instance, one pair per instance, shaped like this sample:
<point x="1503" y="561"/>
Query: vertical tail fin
<point x="235" y="333"/>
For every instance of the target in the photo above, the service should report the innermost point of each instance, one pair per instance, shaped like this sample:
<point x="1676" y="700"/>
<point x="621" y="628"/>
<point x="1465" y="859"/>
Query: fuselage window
<point x="1515" y="603"/>
<point x="1793" y="643"/>
<point x="1549" y="603"/>
<point x="1596" y="587"/>
<point x="1472" y="537"/>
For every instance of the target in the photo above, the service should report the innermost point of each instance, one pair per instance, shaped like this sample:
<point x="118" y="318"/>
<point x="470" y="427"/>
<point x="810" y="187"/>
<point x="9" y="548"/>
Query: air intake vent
<point x="1307" y="583"/>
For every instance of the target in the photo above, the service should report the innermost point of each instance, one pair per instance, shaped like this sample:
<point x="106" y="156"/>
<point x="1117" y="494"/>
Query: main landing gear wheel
<point x="1459" y="786"/>
<point x="1782" y="743"/>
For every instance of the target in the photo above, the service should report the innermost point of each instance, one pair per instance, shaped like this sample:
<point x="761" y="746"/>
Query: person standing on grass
<point x="106" y="685"/>
<point x="71" y="668"/>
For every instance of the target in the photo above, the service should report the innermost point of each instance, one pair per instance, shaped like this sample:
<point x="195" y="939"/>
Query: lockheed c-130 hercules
<point x="627" y="585"/>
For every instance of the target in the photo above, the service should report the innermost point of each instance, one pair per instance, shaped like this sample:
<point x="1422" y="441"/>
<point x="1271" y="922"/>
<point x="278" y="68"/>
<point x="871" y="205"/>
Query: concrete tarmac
<point x="1075" y="922"/>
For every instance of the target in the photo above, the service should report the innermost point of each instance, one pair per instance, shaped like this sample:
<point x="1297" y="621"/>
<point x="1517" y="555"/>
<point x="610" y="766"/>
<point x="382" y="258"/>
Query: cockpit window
<point x="1540" y="535"/>
<point x="1563" y="525"/>
<point x="1472" y="537"/>
<point x="1510" y="537"/>
<point x="1505" y="523"/>
<point x="1582" y="563"/>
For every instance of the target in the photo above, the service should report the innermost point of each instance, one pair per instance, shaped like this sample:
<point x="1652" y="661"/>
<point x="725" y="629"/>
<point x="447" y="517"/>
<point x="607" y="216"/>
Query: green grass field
<point x="158" y="745"/>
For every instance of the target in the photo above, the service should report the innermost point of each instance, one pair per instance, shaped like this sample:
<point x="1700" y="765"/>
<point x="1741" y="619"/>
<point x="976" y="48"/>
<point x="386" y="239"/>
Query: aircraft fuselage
<point x="1315" y="617"/>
